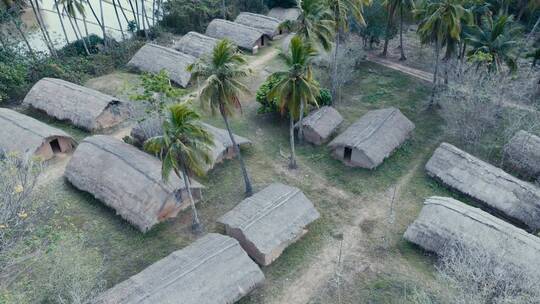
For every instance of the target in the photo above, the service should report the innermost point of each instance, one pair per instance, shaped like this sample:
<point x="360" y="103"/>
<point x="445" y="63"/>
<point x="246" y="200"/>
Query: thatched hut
<point x="487" y="184"/>
<point x="81" y="106"/>
<point x="268" y="25"/>
<point x="153" y="58"/>
<point x="445" y="222"/>
<point x="195" y="44"/>
<point x="321" y="124"/>
<point x="25" y="135"/>
<point x="243" y="36"/>
<point x="222" y="148"/>
<point x="269" y="221"/>
<point x="284" y="14"/>
<point x="522" y="154"/>
<point x="214" y="269"/>
<point x="128" y="180"/>
<point x="371" y="139"/>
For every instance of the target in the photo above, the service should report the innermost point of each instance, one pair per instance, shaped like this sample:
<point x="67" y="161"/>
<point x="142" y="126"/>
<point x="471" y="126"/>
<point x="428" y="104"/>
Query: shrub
<point x="267" y="105"/>
<point x="325" y="98"/>
<point x="12" y="80"/>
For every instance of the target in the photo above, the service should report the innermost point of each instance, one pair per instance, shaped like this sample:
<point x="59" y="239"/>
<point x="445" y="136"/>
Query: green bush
<point x="267" y="105"/>
<point x="12" y="80"/>
<point x="325" y="98"/>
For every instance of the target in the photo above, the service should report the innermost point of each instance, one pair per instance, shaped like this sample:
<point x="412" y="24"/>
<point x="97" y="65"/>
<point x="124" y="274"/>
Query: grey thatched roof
<point x="486" y="183"/>
<point x="243" y="36"/>
<point x="125" y="179"/>
<point x="268" y="25"/>
<point x="376" y="135"/>
<point x="195" y="44"/>
<point x="445" y="222"/>
<point x="212" y="270"/>
<point x="84" y="107"/>
<point x="269" y="221"/>
<point x="153" y="58"/>
<point x="522" y="153"/>
<point x="284" y="14"/>
<point x="320" y="124"/>
<point x="25" y="135"/>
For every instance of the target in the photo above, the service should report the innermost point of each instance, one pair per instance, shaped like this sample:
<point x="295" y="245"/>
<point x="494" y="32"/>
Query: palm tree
<point x="72" y="8"/>
<point x="60" y="17"/>
<point x="497" y="39"/>
<point x="42" y="27"/>
<point x="391" y="11"/>
<point x="297" y="88"/>
<point x="403" y="5"/>
<point x="222" y="71"/>
<point x="118" y="18"/>
<point x="184" y="148"/>
<point x="341" y="11"/>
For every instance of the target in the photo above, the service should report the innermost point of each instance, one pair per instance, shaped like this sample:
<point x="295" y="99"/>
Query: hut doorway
<point x="262" y="41"/>
<point x="347" y="154"/>
<point x="55" y="146"/>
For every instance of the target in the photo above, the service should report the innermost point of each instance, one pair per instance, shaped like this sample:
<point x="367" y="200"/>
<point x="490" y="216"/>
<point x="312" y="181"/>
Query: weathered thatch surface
<point x="83" y="107"/>
<point x="372" y="138"/>
<point x="321" y="124"/>
<point x="522" y="153"/>
<point x="127" y="180"/>
<point x="212" y="270"/>
<point x="268" y="25"/>
<point x="445" y="222"/>
<point x="488" y="184"/>
<point x="222" y="148"/>
<point x="286" y="43"/>
<point x="284" y="14"/>
<point x="243" y="36"/>
<point x="195" y="44"/>
<point x="153" y="58"/>
<point x="269" y="221"/>
<point x="25" y="135"/>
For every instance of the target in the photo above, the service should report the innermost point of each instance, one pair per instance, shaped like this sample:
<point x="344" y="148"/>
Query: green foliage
<point x="281" y="3"/>
<point x="325" y="98"/>
<point x="267" y="105"/>
<point x="12" y="79"/>
<point x="158" y="92"/>
<point x="375" y="29"/>
<point x="76" y="48"/>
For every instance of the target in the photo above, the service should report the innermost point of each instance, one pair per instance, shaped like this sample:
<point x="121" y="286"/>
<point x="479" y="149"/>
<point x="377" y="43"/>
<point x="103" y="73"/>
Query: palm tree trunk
<point x="80" y="35"/>
<point x="38" y="9"/>
<point x="196" y="225"/>
<point x="118" y="18"/>
<point x="153" y="12"/>
<point x="387" y="31"/>
<point x="23" y="36"/>
<point x="300" y="125"/>
<point x="105" y="43"/>
<point x="402" y="50"/>
<point x="143" y="14"/>
<point x="224" y="9"/>
<point x="60" y="17"/>
<point x="247" y="181"/>
<point x="335" y="70"/>
<point x="40" y="25"/>
<point x="94" y="13"/>
<point x="122" y="11"/>
<point x="437" y="55"/>
<point x="137" y="14"/>
<point x="292" y="160"/>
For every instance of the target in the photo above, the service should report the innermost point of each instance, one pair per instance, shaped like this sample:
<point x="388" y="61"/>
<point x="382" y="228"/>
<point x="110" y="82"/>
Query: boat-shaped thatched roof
<point x="375" y="135"/>
<point x="522" y="154"/>
<point x="153" y="58"/>
<point x="243" y="36"/>
<point x="268" y="25"/>
<point x="445" y="222"/>
<point x="320" y="124"/>
<point x="284" y="14"/>
<point x="25" y="135"/>
<point x="269" y="221"/>
<point x="214" y="269"/>
<point x="86" y="108"/>
<point x="195" y="44"/>
<point x="486" y="183"/>
<point x="127" y="180"/>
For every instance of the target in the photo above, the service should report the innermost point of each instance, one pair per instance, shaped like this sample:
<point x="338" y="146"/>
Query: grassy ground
<point x="341" y="194"/>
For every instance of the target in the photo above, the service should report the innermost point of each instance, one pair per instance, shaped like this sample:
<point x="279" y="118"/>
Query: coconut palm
<point x="184" y="148"/>
<point x="497" y="39"/>
<point x="42" y="27"/>
<point x="72" y="8"/>
<point x="222" y="71"/>
<point x="403" y="6"/>
<point x="296" y="88"/>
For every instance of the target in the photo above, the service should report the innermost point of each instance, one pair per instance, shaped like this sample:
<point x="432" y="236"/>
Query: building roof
<point x="267" y="222"/>
<point x="522" y="153"/>
<point x="243" y="36"/>
<point x="23" y="134"/>
<point x="214" y="269"/>
<point x="196" y="44"/>
<point x="323" y="121"/>
<point x="284" y="14"/>
<point x="268" y="25"/>
<point x="124" y="178"/>
<point x="153" y="58"/>
<point x="486" y="183"/>
<point x="64" y="100"/>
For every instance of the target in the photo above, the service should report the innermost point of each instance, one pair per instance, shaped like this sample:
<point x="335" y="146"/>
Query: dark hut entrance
<point x="347" y="154"/>
<point x="55" y="146"/>
<point x="262" y="41"/>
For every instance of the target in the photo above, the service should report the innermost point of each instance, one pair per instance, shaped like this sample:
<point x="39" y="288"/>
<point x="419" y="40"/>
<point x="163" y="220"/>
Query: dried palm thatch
<point x="195" y="44"/>
<point x="498" y="190"/>
<point x="214" y="269"/>
<point x="522" y="154"/>
<point x="25" y="135"/>
<point x="83" y="107"/>
<point x="153" y="58"/>
<point x="445" y="222"/>
<point x="127" y="180"/>
<point x="269" y="221"/>
<point x="372" y="138"/>
<point x="284" y="14"/>
<point x="268" y="25"/>
<point x="321" y="124"/>
<point x="243" y="36"/>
